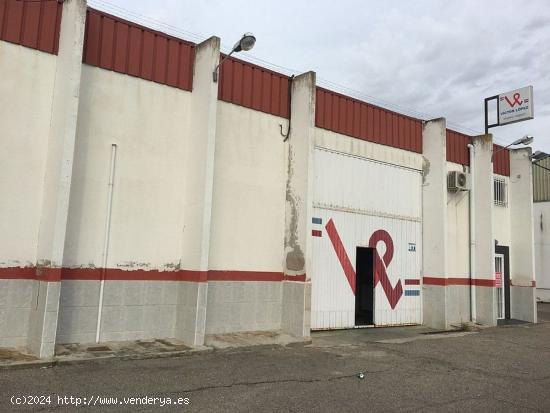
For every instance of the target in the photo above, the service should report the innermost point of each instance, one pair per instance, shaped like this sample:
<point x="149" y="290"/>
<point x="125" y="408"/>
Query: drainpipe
<point x="106" y="240"/>
<point x="472" y="217"/>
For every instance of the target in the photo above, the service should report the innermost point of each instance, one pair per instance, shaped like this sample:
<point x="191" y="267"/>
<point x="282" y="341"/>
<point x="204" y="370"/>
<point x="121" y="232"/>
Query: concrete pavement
<point x="504" y="369"/>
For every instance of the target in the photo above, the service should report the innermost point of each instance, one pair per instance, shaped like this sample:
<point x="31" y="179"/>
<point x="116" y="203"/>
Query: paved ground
<point x="496" y="369"/>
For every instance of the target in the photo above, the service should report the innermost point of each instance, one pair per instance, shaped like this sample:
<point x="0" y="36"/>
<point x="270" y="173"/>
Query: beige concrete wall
<point x="149" y="123"/>
<point x="458" y="237"/>
<point x="248" y="204"/>
<point x="542" y="249"/>
<point x="501" y="218"/>
<point x="26" y="88"/>
<point x="382" y="153"/>
<point x="458" y="251"/>
<point x="243" y="306"/>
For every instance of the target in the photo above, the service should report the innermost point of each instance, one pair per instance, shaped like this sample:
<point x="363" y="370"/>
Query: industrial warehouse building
<point x="541" y="207"/>
<point x="141" y="199"/>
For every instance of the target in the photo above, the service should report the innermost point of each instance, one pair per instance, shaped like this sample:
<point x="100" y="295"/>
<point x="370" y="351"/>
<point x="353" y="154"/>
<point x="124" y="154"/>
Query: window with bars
<point x="501" y="192"/>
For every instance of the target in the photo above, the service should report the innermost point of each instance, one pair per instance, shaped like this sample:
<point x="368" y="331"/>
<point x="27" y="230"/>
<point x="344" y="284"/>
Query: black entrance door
<point x="364" y="287"/>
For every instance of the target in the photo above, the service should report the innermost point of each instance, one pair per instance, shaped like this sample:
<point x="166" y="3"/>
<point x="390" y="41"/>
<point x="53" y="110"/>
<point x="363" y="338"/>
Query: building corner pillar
<point x="57" y="180"/>
<point x="434" y="223"/>
<point x="296" y="297"/>
<point x="484" y="270"/>
<point x="198" y="162"/>
<point x="522" y="253"/>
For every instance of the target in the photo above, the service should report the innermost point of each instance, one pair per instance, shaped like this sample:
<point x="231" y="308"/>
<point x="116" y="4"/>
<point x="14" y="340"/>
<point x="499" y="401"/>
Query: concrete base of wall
<point x="235" y="306"/>
<point x="43" y="318"/>
<point x="486" y="306"/>
<point x="132" y="310"/>
<point x="15" y="307"/>
<point x="543" y="295"/>
<point x="296" y="311"/>
<point x="458" y="304"/>
<point x="191" y="313"/>
<point x="434" y="306"/>
<point x="523" y="305"/>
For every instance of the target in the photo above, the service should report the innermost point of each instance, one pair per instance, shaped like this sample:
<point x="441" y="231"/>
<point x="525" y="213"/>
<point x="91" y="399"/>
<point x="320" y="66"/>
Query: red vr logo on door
<point x="381" y="264"/>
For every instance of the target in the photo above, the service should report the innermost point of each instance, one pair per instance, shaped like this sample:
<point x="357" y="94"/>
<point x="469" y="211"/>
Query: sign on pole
<point x="515" y="106"/>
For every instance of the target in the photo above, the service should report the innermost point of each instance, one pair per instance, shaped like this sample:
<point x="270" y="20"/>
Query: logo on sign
<point x="516" y="100"/>
<point x="515" y="106"/>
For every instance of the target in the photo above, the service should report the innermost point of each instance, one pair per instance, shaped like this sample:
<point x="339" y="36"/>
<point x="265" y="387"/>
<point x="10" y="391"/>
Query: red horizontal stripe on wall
<point x="361" y="120"/>
<point x="112" y="274"/>
<point x="479" y="282"/>
<point x="31" y="273"/>
<point x="412" y="282"/>
<point x="115" y="274"/>
<point x="125" y="47"/>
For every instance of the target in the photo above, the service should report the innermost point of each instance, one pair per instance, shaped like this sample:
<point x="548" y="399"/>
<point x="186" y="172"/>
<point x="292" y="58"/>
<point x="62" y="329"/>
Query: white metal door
<point x="363" y="203"/>
<point x="499" y="284"/>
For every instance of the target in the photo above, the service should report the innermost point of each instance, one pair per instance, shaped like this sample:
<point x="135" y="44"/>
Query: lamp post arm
<point x="215" y="72"/>
<point x="500" y="150"/>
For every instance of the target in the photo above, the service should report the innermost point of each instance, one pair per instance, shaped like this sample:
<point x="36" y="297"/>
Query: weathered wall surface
<point x="345" y="144"/>
<point x="501" y="218"/>
<point x="26" y="88"/>
<point x="149" y="123"/>
<point x="249" y="191"/>
<point x="542" y="249"/>
<point x="458" y="254"/>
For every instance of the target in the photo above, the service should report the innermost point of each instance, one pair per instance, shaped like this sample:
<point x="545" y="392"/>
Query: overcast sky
<point x="433" y="57"/>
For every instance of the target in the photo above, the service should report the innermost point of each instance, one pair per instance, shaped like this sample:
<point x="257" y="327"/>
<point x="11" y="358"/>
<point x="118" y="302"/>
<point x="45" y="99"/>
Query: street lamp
<point x="525" y="140"/>
<point x="247" y="42"/>
<point x="539" y="156"/>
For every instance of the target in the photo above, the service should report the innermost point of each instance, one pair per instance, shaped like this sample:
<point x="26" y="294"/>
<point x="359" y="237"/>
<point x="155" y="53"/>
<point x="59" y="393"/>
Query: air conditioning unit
<point x="458" y="181"/>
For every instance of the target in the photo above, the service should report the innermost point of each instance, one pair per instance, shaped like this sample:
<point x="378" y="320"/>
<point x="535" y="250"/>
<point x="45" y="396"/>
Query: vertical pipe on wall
<point x="107" y="239"/>
<point x="471" y="216"/>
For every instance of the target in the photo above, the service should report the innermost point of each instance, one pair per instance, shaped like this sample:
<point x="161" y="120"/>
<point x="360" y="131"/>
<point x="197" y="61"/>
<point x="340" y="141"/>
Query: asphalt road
<point x="497" y="369"/>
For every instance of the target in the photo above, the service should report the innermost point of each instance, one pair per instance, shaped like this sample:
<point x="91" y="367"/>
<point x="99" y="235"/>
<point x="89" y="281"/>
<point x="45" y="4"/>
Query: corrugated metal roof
<point x="501" y="161"/>
<point x="352" y="117"/>
<point x="457" y="147"/>
<point x="457" y="151"/>
<point x="32" y="24"/>
<point x="541" y="181"/>
<point x="116" y="44"/>
<point x="254" y="87"/>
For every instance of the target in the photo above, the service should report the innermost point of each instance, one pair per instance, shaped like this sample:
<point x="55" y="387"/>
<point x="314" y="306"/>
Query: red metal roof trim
<point x="125" y="47"/>
<point x="457" y="147"/>
<point x="253" y="87"/>
<point x="352" y="117"/>
<point x="501" y="161"/>
<point x="457" y="151"/>
<point x="34" y="24"/>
